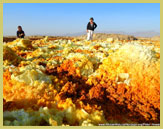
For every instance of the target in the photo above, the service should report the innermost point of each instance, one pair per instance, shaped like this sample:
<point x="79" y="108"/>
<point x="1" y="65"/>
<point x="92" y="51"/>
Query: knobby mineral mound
<point x="78" y="82"/>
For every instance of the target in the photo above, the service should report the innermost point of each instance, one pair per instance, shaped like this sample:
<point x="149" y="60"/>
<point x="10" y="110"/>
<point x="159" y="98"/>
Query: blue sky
<point x="63" y="18"/>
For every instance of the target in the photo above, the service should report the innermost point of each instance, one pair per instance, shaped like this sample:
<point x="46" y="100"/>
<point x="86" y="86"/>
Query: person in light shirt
<point x="91" y="26"/>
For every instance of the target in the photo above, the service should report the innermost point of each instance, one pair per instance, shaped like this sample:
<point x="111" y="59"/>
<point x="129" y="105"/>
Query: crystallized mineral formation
<point x="78" y="82"/>
<point x="10" y="56"/>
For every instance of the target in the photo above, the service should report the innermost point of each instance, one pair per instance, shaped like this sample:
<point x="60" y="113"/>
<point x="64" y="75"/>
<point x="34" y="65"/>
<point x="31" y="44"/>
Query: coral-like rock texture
<point x="74" y="82"/>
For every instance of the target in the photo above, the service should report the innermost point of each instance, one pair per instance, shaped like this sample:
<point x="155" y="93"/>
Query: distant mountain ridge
<point x="136" y="34"/>
<point x="104" y="36"/>
<point x="144" y="34"/>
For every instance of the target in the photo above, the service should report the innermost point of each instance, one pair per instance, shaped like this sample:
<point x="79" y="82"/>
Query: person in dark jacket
<point x="20" y="32"/>
<point x="91" y="26"/>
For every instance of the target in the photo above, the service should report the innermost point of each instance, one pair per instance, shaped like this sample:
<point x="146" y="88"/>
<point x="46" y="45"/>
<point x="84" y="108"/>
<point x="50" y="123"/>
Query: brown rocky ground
<point x="97" y="36"/>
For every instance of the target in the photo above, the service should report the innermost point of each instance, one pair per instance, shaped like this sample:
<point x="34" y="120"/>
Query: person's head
<point x="91" y="19"/>
<point x="19" y="28"/>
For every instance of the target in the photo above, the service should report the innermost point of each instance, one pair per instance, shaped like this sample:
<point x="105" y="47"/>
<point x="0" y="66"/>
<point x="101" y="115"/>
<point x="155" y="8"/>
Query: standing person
<point x="20" y="32"/>
<point x="90" y="28"/>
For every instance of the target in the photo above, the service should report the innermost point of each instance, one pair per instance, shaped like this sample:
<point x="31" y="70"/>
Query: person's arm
<point x="95" y="25"/>
<point x="87" y="27"/>
<point x="17" y="34"/>
<point x="23" y="33"/>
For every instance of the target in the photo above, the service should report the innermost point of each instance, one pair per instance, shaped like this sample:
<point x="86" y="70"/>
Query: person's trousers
<point x="90" y="35"/>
